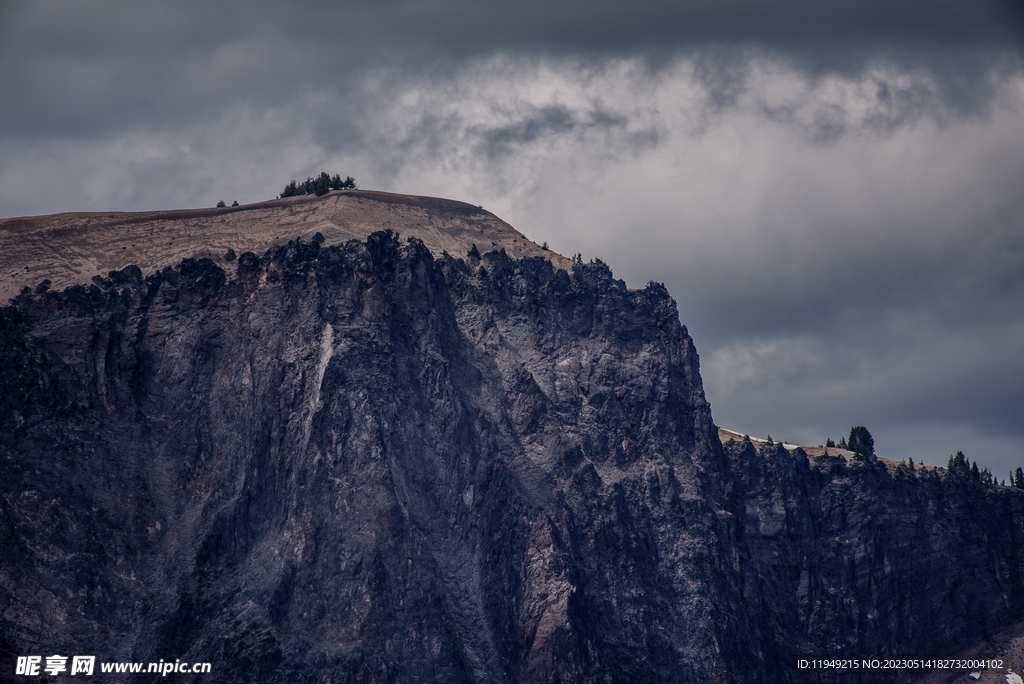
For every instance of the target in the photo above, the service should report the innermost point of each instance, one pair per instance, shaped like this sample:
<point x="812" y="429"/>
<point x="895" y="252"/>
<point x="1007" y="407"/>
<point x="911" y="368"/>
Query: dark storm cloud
<point x="550" y="119"/>
<point x="547" y="121"/>
<point x="87" y="67"/>
<point x="462" y="26"/>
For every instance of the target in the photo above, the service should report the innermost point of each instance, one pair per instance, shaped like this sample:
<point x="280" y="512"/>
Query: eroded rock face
<point x="864" y="559"/>
<point x="360" y="463"/>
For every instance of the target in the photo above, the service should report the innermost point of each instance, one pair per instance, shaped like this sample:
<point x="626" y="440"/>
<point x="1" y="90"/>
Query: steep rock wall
<point x="868" y="560"/>
<point x="360" y="463"/>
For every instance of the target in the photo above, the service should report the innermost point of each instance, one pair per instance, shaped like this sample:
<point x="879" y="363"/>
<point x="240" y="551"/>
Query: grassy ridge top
<point x="71" y="248"/>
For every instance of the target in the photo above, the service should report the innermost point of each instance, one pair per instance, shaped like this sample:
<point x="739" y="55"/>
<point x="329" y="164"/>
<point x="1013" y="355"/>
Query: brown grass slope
<point x="71" y="248"/>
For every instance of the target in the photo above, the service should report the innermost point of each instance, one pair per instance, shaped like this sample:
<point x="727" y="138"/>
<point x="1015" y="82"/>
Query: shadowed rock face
<point x="870" y="559"/>
<point x="362" y="463"/>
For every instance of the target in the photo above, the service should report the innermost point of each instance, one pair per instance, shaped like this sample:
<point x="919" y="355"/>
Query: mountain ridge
<point x="72" y="248"/>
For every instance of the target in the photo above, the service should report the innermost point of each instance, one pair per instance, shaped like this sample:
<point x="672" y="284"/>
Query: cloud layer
<point x="832" y="195"/>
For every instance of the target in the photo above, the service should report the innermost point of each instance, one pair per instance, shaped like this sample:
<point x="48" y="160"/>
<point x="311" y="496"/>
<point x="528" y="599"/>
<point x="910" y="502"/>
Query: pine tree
<point x="320" y="185"/>
<point x="861" y="443"/>
<point x="958" y="467"/>
<point x="292" y="190"/>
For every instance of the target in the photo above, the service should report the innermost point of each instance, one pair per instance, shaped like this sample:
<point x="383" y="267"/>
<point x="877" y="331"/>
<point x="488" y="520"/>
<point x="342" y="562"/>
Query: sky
<point x="832" y="192"/>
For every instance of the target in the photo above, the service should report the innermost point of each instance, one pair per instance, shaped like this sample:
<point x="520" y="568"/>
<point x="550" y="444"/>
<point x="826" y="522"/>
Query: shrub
<point x="221" y="205"/>
<point x="473" y="252"/>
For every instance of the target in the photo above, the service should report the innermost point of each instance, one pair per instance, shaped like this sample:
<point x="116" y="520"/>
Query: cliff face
<point x="365" y="464"/>
<point x="867" y="558"/>
<point x="362" y="463"/>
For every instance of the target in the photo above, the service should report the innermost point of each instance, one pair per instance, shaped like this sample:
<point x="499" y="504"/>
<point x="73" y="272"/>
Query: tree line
<point x="318" y="185"/>
<point x="959" y="467"/>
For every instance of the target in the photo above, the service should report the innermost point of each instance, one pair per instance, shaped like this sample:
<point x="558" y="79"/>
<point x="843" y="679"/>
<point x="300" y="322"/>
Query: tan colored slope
<point x="72" y="248"/>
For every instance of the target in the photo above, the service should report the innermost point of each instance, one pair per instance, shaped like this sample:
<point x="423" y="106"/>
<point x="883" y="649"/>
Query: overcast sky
<point x="832" y="191"/>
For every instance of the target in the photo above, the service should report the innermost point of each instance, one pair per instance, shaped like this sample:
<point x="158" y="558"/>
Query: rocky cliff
<point x="370" y="462"/>
<point x="875" y="558"/>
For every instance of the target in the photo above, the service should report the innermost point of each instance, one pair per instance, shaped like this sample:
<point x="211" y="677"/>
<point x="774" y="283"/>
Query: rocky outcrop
<point x="365" y="463"/>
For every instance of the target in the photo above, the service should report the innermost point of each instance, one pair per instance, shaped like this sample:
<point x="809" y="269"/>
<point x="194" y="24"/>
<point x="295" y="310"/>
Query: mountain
<point x="350" y="455"/>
